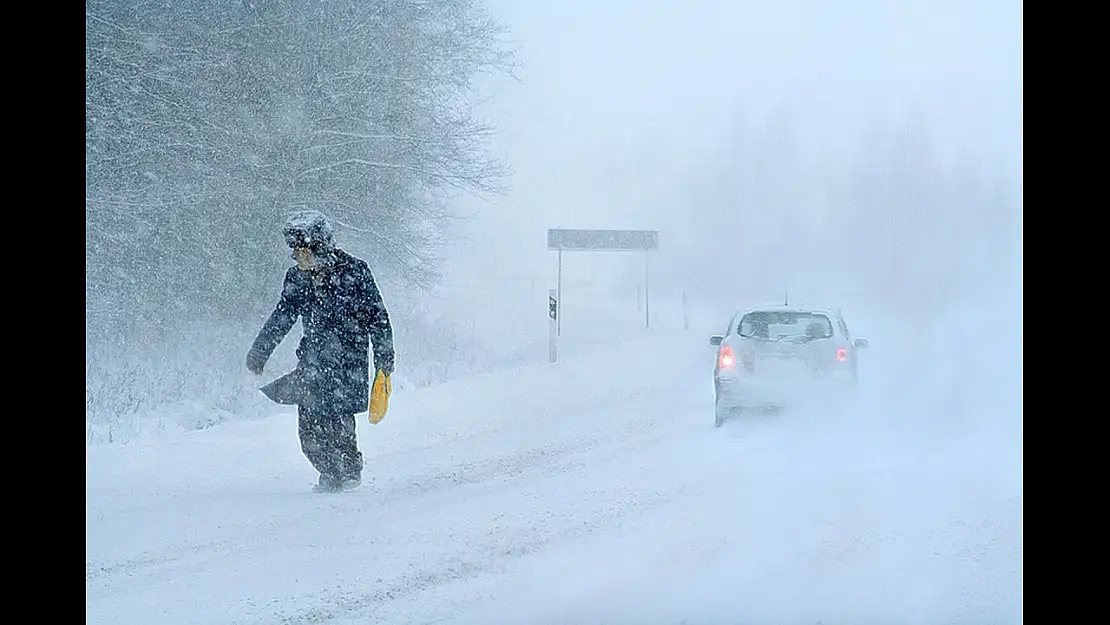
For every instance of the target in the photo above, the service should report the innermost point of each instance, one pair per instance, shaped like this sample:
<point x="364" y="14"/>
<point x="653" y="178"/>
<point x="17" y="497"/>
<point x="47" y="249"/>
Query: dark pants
<point x="330" y="443"/>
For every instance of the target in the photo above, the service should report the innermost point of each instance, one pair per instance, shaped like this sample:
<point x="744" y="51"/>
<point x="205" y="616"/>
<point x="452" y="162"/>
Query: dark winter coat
<point x="342" y="314"/>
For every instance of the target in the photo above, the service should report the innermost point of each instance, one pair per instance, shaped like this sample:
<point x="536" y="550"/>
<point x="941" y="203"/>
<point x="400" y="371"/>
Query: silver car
<point x="774" y="356"/>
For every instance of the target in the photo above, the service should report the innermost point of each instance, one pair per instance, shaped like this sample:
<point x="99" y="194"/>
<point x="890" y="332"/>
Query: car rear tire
<point x="722" y="414"/>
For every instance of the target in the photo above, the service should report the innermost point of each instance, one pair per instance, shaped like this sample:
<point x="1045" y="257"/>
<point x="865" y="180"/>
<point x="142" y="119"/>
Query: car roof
<point x="787" y="308"/>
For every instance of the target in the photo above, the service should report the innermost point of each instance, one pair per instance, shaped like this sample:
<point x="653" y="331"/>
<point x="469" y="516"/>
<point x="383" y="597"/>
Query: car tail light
<point x="725" y="358"/>
<point x="842" y="354"/>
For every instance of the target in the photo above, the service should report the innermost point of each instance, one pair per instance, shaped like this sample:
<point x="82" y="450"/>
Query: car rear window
<point x="785" y="325"/>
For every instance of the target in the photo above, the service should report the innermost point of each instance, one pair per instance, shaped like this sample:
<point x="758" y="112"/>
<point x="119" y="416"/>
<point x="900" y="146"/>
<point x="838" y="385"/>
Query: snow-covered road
<point x="591" y="491"/>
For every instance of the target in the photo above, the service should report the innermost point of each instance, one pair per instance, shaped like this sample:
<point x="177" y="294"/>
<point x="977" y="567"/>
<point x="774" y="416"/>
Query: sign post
<point x="559" y="240"/>
<point x="685" y="312"/>
<point x="559" y="294"/>
<point x="647" y="298"/>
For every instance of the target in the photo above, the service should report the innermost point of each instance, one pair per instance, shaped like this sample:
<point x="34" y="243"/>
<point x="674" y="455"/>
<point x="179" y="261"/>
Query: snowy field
<point x="594" y="490"/>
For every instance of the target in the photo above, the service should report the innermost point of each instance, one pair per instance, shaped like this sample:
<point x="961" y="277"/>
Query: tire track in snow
<point x="150" y="567"/>
<point x="495" y="557"/>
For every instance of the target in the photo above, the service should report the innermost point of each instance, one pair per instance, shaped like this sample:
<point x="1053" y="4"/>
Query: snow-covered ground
<point x="594" y="490"/>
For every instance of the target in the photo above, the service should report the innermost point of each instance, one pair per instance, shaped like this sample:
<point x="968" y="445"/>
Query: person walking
<point x="335" y="297"/>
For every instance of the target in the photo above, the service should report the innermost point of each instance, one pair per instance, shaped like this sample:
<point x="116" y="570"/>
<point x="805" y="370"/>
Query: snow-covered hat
<point x="309" y="229"/>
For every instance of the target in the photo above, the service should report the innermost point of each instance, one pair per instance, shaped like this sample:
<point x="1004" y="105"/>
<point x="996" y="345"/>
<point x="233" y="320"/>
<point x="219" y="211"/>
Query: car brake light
<point x="842" y="354"/>
<point x="725" y="359"/>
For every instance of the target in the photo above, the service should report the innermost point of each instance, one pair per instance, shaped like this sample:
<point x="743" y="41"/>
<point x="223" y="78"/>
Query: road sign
<point x="602" y="240"/>
<point x="552" y="312"/>
<point x="565" y="240"/>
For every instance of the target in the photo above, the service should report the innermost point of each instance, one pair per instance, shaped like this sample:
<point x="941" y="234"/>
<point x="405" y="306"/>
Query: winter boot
<point x="351" y="482"/>
<point x="326" y="484"/>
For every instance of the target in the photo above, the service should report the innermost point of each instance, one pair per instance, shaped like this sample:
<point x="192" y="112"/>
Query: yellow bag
<point x="379" y="396"/>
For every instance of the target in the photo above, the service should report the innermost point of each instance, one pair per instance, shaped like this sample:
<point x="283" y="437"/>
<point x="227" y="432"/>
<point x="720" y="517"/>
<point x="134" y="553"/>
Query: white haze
<point x="863" y="155"/>
<point x="630" y="114"/>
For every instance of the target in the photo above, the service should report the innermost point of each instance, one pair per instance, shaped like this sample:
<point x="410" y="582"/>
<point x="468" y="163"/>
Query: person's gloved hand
<point x="379" y="396"/>
<point x="255" y="362"/>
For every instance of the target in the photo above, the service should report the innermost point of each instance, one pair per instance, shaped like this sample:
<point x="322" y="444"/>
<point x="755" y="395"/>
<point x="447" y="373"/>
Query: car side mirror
<point x="860" y="343"/>
<point x="716" y="340"/>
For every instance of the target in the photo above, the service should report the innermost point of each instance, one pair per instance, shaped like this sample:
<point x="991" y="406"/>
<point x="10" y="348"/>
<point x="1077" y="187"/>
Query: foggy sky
<point x="616" y="98"/>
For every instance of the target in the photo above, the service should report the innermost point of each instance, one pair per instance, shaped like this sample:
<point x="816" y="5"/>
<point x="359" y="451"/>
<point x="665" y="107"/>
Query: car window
<point x="785" y="325"/>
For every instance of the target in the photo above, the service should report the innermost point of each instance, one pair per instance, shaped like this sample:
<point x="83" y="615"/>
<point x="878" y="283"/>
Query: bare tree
<point x="890" y="224"/>
<point x="206" y="123"/>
